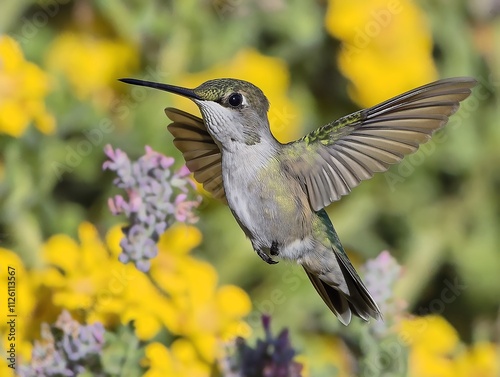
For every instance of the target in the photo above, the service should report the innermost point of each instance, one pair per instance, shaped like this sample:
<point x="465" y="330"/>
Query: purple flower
<point x="66" y="349"/>
<point x="272" y="357"/>
<point x="157" y="197"/>
<point x="380" y="276"/>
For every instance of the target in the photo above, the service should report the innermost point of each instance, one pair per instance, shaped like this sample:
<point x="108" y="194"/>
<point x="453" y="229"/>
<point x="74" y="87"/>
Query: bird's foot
<point x="266" y="258"/>
<point x="274" y="248"/>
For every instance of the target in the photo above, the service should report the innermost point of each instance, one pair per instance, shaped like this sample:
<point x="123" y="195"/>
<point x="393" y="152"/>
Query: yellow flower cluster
<point x="269" y="74"/>
<point x="180" y="359"/>
<point x="180" y="294"/>
<point x="386" y="47"/>
<point x="436" y="351"/>
<point x="91" y="64"/>
<point x="23" y="87"/>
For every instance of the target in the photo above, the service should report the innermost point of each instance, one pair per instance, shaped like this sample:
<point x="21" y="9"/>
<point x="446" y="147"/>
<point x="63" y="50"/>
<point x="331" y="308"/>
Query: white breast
<point x="240" y="170"/>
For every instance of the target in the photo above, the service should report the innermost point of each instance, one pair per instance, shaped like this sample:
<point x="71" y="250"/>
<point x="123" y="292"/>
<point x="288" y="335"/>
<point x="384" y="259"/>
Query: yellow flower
<point x="386" y="47"/>
<point x="435" y="350"/>
<point x="325" y="352"/>
<point x="179" y="294"/>
<point x="85" y="275"/>
<point x="91" y="64"/>
<point x="153" y="306"/>
<point x="18" y="299"/>
<point x="180" y="360"/>
<point x="195" y="307"/>
<point x="269" y="74"/>
<point x="480" y="360"/>
<point x="432" y="341"/>
<point x="23" y="86"/>
<point x="5" y="370"/>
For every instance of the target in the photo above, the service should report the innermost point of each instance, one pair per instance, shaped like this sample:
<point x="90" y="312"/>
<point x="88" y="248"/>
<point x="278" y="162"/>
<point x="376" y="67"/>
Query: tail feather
<point x="357" y="301"/>
<point x="332" y="298"/>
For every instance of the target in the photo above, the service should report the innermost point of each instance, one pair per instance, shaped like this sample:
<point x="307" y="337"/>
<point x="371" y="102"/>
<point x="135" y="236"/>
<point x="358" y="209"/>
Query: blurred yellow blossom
<point x="481" y="360"/>
<point x="5" y="370"/>
<point x="386" y="47"/>
<point x="197" y="308"/>
<point x="432" y="341"/>
<point x="435" y="350"/>
<point x="23" y="86"/>
<point x="269" y="74"/>
<point x="329" y="352"/>
<point x="178" y="361"/>
<point x="91" y="64"/>
<point x="180" y="293"/>
<point x="84" y="275"/>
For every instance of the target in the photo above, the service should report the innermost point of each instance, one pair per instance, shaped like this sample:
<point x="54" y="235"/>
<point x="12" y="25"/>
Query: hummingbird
<point x="277" y="192"/>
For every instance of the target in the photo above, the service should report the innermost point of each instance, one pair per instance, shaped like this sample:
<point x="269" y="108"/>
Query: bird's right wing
<point x="333" y="159"/>
<point x="202" y="155"/>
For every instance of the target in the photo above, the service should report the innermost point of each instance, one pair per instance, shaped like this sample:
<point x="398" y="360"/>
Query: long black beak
<point x="189" y="93"/>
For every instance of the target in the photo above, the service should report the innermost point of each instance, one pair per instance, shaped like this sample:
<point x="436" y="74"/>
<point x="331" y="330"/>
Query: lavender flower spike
<point x="271" y="357"/>
<point x="157" y="197"/>
<point x="381" y="275"/>
<point x="66" y="349"/>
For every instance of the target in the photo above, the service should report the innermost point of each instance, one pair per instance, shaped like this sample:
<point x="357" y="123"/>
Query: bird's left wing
<point x="202" y="155"/>
<point x="333" y="159"/>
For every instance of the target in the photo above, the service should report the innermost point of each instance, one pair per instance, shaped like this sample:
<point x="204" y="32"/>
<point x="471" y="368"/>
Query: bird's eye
<point x="235" y="99"/>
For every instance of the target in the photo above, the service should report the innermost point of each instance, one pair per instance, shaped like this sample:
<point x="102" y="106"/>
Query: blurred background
<point x="437" y="213"/>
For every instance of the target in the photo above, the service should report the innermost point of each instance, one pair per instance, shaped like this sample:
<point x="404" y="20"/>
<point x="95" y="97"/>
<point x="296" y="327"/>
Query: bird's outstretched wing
<point x="333" y="159"/>
<point x="202" y="155"/>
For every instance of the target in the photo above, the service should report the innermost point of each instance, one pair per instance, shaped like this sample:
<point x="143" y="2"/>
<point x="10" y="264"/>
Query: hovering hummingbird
<point x="277" y="192"/>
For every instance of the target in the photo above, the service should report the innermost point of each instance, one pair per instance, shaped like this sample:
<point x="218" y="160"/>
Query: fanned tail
<point x="355" y="300"/>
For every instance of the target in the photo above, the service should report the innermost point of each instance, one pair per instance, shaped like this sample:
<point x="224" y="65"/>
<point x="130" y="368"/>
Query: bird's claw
<point x="274" y="250"/>
<point x="266" y="258"/>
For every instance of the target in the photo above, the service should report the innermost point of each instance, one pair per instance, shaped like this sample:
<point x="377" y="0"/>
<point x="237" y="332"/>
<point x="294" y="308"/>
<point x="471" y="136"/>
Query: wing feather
<point x="353" y="148"/>
<point x="201" y="153"/>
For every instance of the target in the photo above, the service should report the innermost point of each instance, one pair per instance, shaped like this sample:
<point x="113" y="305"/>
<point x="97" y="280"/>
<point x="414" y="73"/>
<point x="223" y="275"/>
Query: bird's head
<point x="234" y="111"/>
